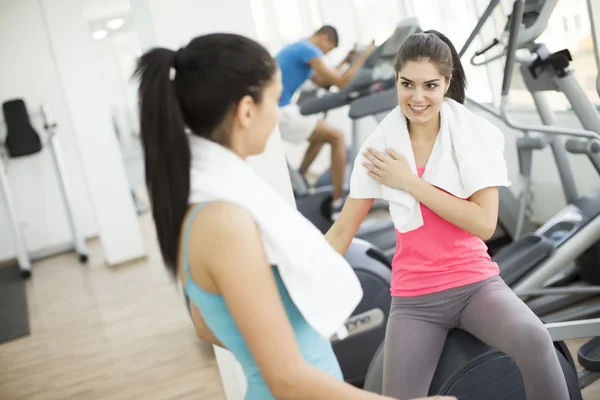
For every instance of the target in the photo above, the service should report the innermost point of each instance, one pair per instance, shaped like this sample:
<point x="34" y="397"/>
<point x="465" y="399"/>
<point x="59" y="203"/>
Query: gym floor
<point x="122" y="333"/>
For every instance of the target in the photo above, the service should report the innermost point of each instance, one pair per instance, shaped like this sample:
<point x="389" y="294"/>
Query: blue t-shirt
<point x="295" y="70"/>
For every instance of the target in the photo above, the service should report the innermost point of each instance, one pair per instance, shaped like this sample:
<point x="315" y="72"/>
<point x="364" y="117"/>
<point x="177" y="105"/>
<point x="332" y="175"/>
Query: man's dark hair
<point x="331" y="32"/>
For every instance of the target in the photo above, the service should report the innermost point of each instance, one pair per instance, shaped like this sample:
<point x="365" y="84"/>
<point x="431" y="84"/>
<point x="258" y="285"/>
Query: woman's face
<point x="256" y="121"/>
<point x="421" y="89"/>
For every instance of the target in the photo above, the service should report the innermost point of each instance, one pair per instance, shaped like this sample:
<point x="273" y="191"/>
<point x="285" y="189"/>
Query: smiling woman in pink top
<point x="442" y="275"/>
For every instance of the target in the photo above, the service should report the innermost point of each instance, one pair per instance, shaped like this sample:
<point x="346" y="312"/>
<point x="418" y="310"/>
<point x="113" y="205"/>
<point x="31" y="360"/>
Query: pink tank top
<point x="438" y="256"/>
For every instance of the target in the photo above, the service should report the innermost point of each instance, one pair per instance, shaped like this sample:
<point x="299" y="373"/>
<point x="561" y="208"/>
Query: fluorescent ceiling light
<point x="99" y="34"/>
<point x="115" y="23"/>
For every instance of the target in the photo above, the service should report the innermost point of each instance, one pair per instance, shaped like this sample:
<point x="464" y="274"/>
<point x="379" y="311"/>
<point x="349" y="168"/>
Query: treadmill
<point x="556" y="268"/>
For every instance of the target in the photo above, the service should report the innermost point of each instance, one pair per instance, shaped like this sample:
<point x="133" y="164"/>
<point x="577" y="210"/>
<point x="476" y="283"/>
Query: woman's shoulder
<point x="215" y="232"/>
<point x="218" y="209"/>
<point x="219" y="218"/>
<point x="217" y="226"/>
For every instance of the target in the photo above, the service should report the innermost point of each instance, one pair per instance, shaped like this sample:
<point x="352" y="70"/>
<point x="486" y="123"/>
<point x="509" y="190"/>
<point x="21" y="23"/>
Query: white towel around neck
<point x="468" y="155"/>
<point x="319" y="280"/>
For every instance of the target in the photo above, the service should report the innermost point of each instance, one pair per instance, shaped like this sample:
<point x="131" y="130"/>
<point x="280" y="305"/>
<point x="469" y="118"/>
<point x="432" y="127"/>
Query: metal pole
<point x="67" y="195"/>
<point x="22" y="256"/>
<point x="557" y="144"/>
<point x="594" y="11"/>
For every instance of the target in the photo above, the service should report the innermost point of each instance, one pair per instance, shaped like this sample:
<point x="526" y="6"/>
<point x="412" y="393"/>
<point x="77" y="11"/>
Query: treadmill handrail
<point x="375" y="103"/>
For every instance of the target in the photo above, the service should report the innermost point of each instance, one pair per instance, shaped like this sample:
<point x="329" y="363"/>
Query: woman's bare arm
<point x="344" y="229"/>
<point x="478" y="215"/>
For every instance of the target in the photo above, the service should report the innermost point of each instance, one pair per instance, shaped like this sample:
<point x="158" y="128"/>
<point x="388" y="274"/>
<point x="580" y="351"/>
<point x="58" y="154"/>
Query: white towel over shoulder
<point x="468" y="155"/>
<point x="319" y="280"/>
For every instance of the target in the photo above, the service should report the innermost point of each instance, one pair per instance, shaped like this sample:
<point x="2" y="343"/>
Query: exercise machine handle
<point x="583" y="146"/>
<point x="487" y="60"/>
<point x="515" y="26"/>
<point x="591" y="148"/>
<point x="532" y="142"/>
<point x="484" y="17"/>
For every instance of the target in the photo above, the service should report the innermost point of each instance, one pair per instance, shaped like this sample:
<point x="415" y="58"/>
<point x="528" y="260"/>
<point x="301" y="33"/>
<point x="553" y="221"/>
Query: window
<point x="456" y="20"/>
<point x="279" y="23"/>
<point x="576" y="36"/>
<point x="376" y="22"/>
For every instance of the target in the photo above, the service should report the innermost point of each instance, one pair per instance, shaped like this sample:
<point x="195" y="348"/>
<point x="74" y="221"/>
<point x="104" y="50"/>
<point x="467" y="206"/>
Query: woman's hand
<point x="390" y="168"/>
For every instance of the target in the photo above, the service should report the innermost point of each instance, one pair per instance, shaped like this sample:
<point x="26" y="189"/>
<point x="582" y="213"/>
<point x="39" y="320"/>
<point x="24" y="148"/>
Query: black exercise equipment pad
<point x="471" y="370"/>
<point x="21" y="138"/>
<point x="589" y="355"/>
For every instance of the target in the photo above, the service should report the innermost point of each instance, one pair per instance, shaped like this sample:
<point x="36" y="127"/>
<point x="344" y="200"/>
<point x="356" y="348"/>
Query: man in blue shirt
<point x="298" y="62"/>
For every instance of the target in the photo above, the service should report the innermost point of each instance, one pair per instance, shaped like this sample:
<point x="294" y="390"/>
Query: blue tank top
<point x="315" y="349"/>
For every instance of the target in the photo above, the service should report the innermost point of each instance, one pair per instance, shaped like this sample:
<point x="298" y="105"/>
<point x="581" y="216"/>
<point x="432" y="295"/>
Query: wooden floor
<point x="99" y="333"/>
<point x="124" y="333"/>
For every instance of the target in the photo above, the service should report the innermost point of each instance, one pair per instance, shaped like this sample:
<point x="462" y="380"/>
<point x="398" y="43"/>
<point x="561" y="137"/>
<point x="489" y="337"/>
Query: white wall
<point x="52" y="62"/>
<point x="280" y="23"/>
<point x="102" y="161"/>
<point x="115" y="57"/>
<point x="178" y="21"/>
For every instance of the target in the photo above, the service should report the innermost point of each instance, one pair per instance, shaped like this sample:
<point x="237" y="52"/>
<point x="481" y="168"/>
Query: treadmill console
<point x="391" y="46"/>
<point x="377" y="69"/>
<point x="382" y="59"/>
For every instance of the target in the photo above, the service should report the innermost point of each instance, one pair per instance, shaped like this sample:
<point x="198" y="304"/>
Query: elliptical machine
<point x="563" y="295"/>
<point x="555" y="267"/>
<point x="468" y="368"/>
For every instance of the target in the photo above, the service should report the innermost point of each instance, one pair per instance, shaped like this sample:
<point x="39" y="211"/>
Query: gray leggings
<point x="489" y="310"/>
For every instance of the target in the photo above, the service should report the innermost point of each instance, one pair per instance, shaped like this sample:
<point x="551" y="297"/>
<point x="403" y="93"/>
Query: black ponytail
<point x="166" y="149"/>
<point x="437" y="48"/>
<point x="196" y="88"/>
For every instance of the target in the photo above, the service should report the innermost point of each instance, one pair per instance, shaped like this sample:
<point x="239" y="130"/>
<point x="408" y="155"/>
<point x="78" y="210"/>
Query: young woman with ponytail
<point x="442" y="275"/>
<point x="225" y="89"/>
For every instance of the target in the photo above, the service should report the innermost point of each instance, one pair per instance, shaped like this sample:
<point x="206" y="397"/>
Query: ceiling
<point x="97" y="13"/>
<point x="105" y="9"/>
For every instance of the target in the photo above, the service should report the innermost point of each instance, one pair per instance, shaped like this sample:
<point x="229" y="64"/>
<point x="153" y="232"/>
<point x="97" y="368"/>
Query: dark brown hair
<point x="331" y="33"/>
<point x="433" y="46"/>
<point x="211" y="75"/>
